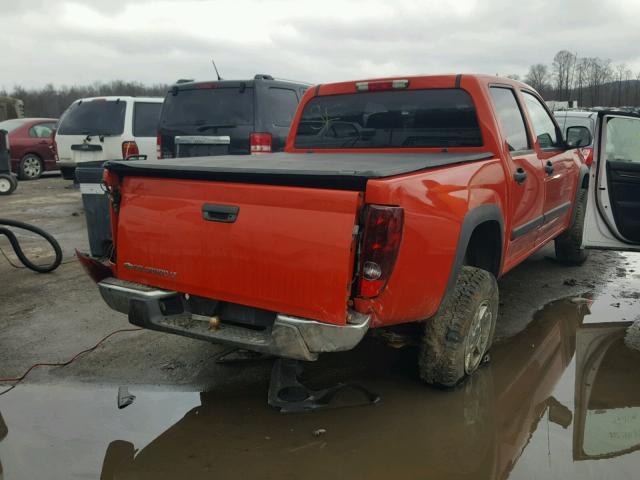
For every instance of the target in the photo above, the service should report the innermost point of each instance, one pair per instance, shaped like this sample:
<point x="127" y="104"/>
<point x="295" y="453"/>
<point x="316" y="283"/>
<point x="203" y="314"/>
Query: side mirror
<point x="578" y="136"/>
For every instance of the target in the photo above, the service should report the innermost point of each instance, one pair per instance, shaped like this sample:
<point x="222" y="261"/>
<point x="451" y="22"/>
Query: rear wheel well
<point x="484" y="249"/>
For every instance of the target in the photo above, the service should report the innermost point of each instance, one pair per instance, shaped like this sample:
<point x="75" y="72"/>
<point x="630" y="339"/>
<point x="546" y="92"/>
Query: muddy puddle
<point x="559" y="400"/>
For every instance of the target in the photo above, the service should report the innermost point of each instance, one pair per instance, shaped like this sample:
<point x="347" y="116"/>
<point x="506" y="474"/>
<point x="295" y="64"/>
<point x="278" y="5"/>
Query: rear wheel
<point x="8" y="184"/>
<point x="456" y="340"/>
<point x="569" y="244"/>
<point x="31" y="167"/>
<point x="68" y="173"/>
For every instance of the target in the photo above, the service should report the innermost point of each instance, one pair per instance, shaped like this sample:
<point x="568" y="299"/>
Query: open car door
<point x="612" y="220"/>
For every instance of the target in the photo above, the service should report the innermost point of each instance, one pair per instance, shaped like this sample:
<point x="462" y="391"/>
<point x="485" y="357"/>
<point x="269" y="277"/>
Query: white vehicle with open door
<point x="612" y="217"/>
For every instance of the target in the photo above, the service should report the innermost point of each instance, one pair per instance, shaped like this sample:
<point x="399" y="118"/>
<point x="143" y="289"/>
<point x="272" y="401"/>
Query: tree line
<point x="592" y="81"/>
<point x="51" y="101"/>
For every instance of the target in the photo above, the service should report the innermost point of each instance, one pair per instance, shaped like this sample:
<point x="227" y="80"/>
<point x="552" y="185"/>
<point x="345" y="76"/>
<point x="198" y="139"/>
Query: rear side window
<point x="282" y="105"/>
<point x="390" y="119"/>
<point x="145" y="119"/>
<point x="42" y="130"/>
<point x="542" y="123"/>
<point x="510" y="118"/>
<point x="208" y="108"/>
<point x="93" y="117"/>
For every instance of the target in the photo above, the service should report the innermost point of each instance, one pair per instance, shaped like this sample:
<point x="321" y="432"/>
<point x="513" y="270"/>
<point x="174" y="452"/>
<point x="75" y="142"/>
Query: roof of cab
<point x="446" y="80"/>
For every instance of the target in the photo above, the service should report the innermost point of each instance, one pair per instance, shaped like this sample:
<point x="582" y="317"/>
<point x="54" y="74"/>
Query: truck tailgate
<point x="286" y="249"/>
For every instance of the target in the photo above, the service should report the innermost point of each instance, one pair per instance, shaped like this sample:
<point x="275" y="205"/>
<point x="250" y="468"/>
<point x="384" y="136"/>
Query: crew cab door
<point x="560" y="169"/>
<point x="612" y="220"/>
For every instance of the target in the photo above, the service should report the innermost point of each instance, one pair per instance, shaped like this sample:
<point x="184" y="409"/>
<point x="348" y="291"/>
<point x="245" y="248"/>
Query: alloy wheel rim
<point x="31" y="167"/>
<point x="478" y="337"/>
<point x="5" y="185"/>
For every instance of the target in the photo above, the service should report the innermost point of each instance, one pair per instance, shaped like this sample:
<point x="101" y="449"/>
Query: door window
<point x="42" y="130"/>
<point x="623" y="140"/>
<point x="543" y="126"/>
<point x="510" y="118"/>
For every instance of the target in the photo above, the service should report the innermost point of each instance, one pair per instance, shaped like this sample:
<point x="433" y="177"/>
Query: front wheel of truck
<point x="569" y="244"/>
<point x="458" y="337"/>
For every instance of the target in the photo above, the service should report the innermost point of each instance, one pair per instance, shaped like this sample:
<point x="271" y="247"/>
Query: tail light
<point x="96" y="269"/>
<point x="381" y="85"/>
<point x="379" y="248"/>
<point x="587" y="153"/>
<point x="159" y="146"/>
<point x="54" y="147"/>
<point x="129" y="149"/>
<point x="260" y="142"/>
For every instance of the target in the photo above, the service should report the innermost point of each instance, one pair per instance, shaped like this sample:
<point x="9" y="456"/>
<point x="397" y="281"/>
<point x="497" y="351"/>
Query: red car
<point x="31" y="145"/>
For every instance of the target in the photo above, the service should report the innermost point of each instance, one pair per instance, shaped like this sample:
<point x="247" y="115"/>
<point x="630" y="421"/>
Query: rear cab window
<point x="431" y="118"/>
<point x="146" y="116"/>
<point x="94" y="117"/>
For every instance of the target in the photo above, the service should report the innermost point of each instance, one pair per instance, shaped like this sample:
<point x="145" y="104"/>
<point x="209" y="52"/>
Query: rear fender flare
<point x="472" y="219"/>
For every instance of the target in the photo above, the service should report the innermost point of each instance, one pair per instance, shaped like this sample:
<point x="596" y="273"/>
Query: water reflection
<point x="563" y="386"/>
<point x="478" y="431"/>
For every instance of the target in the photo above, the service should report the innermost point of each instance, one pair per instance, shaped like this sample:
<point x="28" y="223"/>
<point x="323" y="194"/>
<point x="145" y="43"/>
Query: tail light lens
<point x="260" y="142"/>
<point x="54" y="147"/>
<point x="129" y="149"/>
<point x="587" y="153"/>
<point x="96" y="269"/>
<point x="379" y="248"/>
<point x="159" y="146"/>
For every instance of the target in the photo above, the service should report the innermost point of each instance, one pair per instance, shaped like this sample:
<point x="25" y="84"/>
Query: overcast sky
<point x="65" y="42"/>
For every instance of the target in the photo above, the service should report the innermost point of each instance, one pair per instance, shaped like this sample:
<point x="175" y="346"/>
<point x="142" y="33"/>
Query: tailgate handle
<point x="220" y="213"/>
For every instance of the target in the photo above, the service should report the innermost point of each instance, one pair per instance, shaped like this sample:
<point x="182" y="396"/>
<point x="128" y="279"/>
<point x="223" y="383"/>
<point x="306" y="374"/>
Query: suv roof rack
<point x="263" y="76"/>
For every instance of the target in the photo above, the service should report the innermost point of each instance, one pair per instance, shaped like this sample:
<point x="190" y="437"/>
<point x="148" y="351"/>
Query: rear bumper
<point x="289" y="337"/>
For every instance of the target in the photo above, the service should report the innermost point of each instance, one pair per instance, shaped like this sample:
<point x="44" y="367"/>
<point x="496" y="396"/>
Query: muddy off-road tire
<point x="456" y="339"/>
<point x="568" y="244"/>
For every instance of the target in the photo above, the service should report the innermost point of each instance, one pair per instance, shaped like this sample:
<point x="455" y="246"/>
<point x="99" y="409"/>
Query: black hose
<point x="16" y="245"/>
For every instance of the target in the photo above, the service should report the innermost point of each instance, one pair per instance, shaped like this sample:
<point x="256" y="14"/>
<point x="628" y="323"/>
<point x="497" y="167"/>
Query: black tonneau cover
<point x="343" y="171"/>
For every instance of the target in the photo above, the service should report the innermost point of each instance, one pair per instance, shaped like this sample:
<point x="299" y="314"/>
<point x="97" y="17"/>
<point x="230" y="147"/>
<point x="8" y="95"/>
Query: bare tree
<point x="563" y="70"/>
<point x="538" y="76"/>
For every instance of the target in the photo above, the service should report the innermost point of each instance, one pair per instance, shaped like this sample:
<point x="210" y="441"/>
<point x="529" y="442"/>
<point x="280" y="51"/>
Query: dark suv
<point x="227" y="117"/>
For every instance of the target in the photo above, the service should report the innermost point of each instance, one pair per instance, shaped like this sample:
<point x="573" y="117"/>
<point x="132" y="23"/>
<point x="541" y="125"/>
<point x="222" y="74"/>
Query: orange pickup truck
<point x="397" y="201"/>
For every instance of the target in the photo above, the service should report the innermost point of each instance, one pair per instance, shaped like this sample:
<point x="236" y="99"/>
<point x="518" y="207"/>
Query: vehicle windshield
<point x="208" y="108"/>
<point x="93" y="117"/>
<point x="390" y="119"/>
<point x="11" y="125"/>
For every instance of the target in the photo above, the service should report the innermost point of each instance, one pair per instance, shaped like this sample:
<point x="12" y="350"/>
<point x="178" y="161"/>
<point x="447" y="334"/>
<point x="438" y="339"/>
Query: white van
<point x="106" y="128"/>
